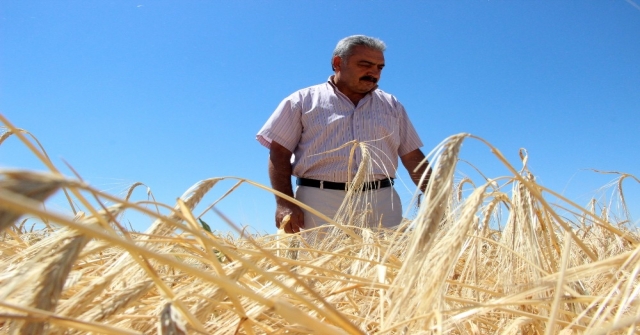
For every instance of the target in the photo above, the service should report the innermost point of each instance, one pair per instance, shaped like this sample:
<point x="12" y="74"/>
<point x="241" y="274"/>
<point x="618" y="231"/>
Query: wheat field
<point x="499" y="259"/>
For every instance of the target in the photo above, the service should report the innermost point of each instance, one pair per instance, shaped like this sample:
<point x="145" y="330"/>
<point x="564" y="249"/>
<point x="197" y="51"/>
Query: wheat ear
<point x="27" y="187"/>
<point x="52" y="281"/>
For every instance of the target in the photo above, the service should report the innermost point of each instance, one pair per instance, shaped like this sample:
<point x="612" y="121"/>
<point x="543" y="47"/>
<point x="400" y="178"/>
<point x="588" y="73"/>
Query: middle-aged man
<point x="313" y="122"/>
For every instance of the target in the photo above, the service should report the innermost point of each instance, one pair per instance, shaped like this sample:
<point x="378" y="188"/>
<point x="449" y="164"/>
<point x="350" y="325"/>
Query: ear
<point x="335" y="63"/>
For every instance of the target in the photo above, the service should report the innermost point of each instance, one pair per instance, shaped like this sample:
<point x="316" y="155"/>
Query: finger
<point x="295" y="228"/>
<point x="285" y="222"/>
<point x="288" y="229"/>
<point x="301" y="220"/>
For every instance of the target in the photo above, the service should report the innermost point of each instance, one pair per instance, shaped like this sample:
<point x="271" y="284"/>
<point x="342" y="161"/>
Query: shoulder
<point x="309" y="93"/>
<point x="320" y="89"/>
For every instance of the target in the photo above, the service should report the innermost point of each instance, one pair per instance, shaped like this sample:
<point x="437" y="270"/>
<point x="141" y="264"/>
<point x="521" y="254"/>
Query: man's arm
<point x="280" y="175"/>
<point x="411" y="162"/>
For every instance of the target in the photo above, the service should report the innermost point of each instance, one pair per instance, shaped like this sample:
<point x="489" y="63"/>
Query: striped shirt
<point x="316" y="120"/>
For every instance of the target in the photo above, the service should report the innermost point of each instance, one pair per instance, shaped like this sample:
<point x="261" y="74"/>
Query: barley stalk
<point x="117" y="301"/>
<point x="170" y="322"/>
<point x="545" y="268"/>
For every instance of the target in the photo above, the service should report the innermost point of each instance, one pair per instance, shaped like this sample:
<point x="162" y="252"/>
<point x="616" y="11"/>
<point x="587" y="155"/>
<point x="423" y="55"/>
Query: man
<point x="313" y="125"/>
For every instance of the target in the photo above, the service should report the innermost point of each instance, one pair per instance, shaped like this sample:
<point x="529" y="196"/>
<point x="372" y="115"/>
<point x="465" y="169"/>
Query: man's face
<point x="361" y="71"/>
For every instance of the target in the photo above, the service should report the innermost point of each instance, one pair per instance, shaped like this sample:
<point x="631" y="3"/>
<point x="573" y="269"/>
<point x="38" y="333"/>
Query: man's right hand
<point x="289" y="217"/>
<point x="280" y="170"/>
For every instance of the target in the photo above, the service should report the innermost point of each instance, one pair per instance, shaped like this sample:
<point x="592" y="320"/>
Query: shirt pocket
<point x="326" y="130"/>
<point x="381" y="126"/>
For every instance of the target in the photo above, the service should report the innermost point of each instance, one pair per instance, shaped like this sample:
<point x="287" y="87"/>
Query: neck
<point x="355" y="97"/>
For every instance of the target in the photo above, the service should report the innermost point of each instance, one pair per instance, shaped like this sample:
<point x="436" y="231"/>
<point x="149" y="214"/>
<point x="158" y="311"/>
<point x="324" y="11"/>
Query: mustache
<point x="369" y="78"/>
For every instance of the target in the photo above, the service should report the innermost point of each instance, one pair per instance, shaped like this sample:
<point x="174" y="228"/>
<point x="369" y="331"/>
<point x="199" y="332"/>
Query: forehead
<point x="361" y="52"/>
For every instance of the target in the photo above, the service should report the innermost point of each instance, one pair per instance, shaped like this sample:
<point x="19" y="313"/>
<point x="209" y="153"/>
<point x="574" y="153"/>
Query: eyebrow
<point x="371" y="63"/>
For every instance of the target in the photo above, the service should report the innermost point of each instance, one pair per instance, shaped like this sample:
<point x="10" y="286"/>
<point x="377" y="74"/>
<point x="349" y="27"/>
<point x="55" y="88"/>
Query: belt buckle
<point x="322" y="184"/>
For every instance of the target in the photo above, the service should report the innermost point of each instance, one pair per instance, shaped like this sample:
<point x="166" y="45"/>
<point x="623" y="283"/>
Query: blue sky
<point x="171" y="92"/>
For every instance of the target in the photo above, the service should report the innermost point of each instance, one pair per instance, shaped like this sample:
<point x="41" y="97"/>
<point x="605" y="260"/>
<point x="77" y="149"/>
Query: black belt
<point x="373" y="185"/>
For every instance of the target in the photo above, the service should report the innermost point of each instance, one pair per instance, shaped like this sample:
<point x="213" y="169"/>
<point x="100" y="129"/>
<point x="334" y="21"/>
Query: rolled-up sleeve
<point x="284" y="125"/>
<point x="409" y="139"/>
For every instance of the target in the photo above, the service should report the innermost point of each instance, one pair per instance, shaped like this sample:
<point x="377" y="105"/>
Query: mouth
<point x="369" y="78"/>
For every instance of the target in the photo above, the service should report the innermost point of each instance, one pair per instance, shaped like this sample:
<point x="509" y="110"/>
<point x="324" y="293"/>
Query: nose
<point x="375" y="72"/>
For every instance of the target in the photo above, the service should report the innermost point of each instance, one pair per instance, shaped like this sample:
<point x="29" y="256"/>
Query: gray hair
<point x="345" y="46"/>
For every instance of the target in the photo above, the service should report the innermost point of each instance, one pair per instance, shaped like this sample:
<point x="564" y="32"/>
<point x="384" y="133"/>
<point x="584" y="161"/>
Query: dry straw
<point x="502" y="260"/>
